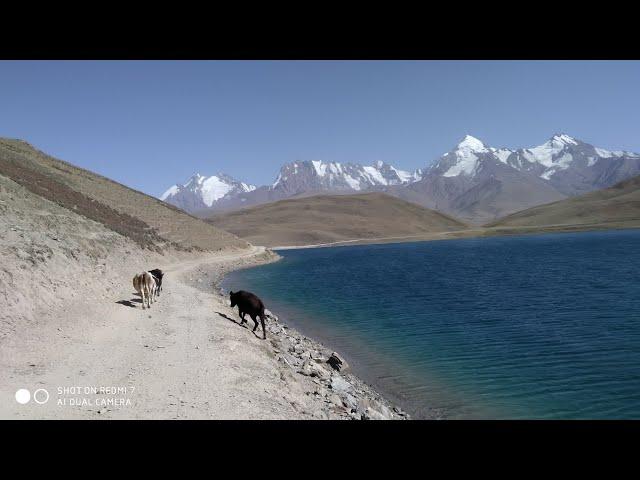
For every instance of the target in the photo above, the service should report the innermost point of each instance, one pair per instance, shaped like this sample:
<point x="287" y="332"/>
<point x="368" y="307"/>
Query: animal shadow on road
<point x="232" y="320"/>
<point x="129" y="303"/>
<point x="238" y="323"/>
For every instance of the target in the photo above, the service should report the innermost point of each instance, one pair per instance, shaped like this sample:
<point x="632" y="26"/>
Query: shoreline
<point x="461" y="234"/>
<point x="344" y="392"/>
<point x="357" y="354"/>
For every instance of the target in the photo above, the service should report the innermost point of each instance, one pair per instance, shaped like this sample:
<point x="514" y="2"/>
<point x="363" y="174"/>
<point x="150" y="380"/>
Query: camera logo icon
<point x="40" y="396"/>
<point x="23" y="396"/>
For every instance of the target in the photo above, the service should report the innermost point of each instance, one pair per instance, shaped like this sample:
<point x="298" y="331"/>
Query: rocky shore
<point x="342" y="392"/>
<point x="324" y="375"/>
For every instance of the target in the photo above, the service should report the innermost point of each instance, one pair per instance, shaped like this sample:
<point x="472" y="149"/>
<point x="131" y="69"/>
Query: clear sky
<point x="150" y="124"/>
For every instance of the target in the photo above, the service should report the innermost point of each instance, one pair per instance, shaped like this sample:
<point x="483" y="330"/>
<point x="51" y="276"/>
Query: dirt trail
<point x="180" y="359"/>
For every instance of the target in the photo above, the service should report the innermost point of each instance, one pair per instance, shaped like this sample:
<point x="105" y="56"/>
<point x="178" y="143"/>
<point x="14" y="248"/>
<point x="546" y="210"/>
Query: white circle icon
<point x="23" y="396"/>
<point x="39" y="399"/>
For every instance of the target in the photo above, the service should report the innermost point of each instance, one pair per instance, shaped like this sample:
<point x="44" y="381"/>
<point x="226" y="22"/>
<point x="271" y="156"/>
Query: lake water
<point x="538" y="326"/>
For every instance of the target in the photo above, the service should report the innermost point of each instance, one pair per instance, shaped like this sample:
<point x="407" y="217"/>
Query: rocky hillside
<point x="333" y="218"/>
<point x="148" y="221"/>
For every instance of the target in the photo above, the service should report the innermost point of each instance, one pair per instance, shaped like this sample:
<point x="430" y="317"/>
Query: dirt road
<point x="182" y="359"/>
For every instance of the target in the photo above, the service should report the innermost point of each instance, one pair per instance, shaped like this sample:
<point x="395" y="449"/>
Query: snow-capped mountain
<point x="221" y="192"/>
<point x="560" y="155"/>
<point x="477" y="182"/>
<point x="200" y="192"/>
<point x="319" y="176"/>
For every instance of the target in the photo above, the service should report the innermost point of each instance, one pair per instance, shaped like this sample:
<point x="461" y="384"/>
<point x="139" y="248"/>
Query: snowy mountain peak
<point x="196" y="178"/>
<point x="564" y="139"/>
<point x="465" y="157"/>
<point x="170" y="192"/>
<point x="472" y="144"/>
<point x="200" y="191"/>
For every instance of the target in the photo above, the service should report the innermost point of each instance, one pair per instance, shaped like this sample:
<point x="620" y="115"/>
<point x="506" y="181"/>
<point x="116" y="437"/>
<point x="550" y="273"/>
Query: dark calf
<point x="248" y="303"/>
<point x="157" y="274"/>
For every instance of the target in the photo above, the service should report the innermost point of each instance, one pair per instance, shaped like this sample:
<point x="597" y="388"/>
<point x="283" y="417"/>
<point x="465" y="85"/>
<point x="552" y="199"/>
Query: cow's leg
<point x="253" y="317"/>
<point x="142" y="296"/>
<point x="242" y="314"/>
<point x="264" y="332"/>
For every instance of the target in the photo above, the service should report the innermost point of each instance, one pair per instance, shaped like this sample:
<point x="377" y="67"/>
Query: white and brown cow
<point x="145" y="285"/>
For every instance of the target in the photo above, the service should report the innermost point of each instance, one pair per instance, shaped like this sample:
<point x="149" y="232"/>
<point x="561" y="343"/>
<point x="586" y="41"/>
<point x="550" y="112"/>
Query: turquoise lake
<point x="537" y="326"/>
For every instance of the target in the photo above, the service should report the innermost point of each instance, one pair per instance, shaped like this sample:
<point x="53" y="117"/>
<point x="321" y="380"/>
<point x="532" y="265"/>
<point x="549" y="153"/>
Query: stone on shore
<point x="340" y="385"/>
<point x="312" y="369"/>
<point x="337" y="362"/>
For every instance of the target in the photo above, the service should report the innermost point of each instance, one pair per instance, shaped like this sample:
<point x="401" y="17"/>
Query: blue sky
<point x="152" y="124"/>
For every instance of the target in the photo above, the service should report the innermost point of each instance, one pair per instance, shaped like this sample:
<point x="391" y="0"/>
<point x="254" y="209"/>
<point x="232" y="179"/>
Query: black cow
<point x="248" y="303"/>
<point x="157" y="274"/>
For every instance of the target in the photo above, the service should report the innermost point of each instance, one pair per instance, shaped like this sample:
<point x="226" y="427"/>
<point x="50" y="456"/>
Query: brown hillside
<point x="333" y="218"/>
<point x="145" y="219"/>
<point x="617" y="206"/>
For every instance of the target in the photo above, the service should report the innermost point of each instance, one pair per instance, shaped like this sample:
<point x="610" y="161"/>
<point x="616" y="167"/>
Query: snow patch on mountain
<point x="353" y="183"/>
<point x="170" y="192"/>
<point x="466" y="157"/>
<point x="375" y="176"/>
<point x="320" y="167"/>
<point x="405" y="177"/>
<point x="607" y="154"/>
<point x="561" y="163"/>
<point x="502" y="153"/>
<point x="213" y="188"/>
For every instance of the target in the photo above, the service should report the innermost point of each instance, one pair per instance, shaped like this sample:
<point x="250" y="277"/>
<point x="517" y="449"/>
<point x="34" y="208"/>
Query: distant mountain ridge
<point x="473" y="181"/>
<point x="478" y="183"/>
<point x="305" y="177"/>
<point x="570" y="165"/>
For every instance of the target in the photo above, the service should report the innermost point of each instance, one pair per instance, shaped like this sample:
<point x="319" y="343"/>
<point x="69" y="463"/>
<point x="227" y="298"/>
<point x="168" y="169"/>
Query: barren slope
<point x="134" y="214"/>
<point x="617" y="206"/>
<point x="333" y="218"/>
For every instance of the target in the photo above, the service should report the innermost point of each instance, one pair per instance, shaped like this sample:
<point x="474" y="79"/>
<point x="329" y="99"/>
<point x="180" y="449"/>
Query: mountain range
<point x="474" y="182"/>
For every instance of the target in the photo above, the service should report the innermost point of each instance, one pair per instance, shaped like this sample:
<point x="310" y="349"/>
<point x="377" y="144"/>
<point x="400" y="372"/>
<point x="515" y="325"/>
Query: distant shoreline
<point x="471" y="233"/>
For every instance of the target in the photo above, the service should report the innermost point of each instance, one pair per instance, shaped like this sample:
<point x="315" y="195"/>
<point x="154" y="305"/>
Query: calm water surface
<point x="544" y="326"/>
